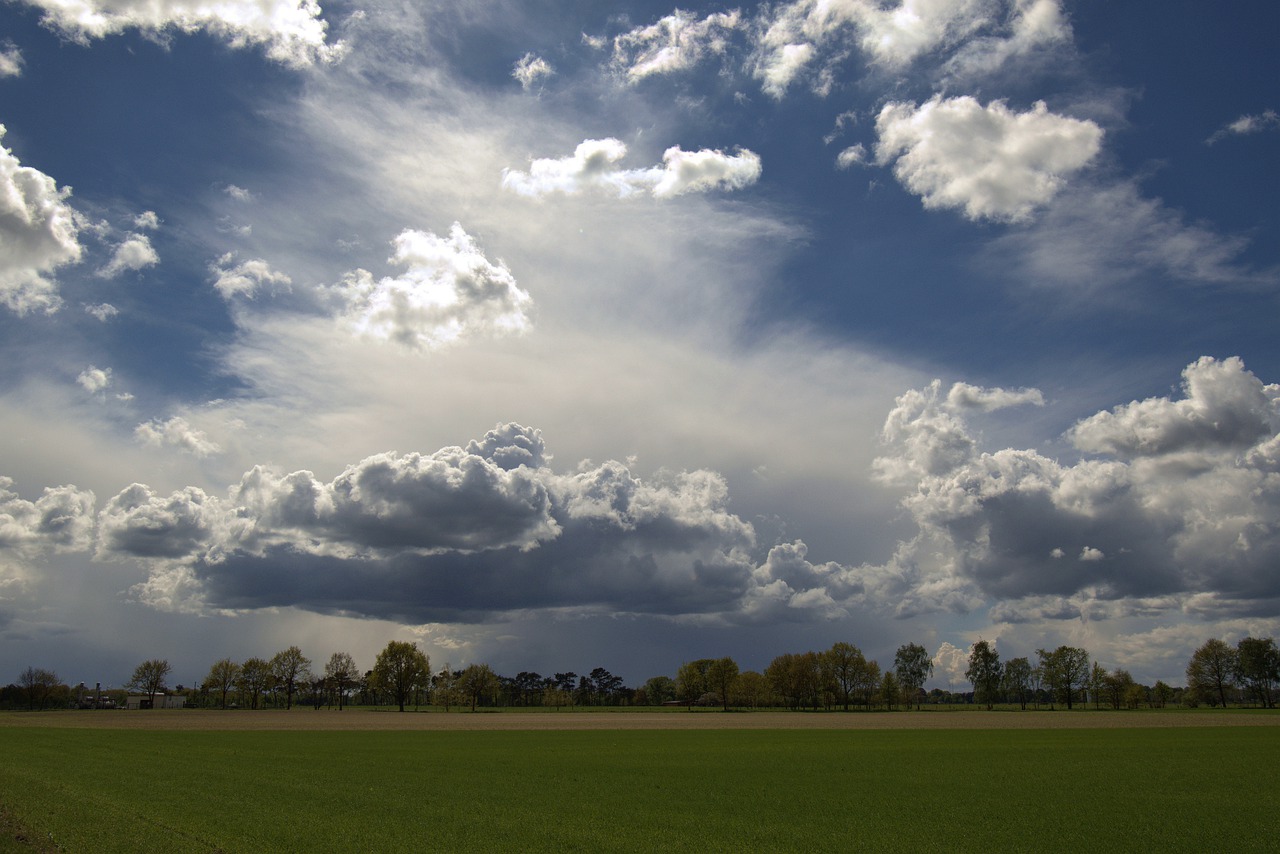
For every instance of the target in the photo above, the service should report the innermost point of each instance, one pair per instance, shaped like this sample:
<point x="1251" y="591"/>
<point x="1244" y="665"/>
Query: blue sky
<point x="559" y="336"/>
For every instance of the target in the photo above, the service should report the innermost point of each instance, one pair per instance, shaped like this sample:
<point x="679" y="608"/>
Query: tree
<point x="889" y="689"/>
<point x="1017" y="680"/>
<point x="659" y="690"/>
<point x="444" y="687"/>
<point x="866" y="681"/>
<point x="1161" y="694"/>
<point x="796" y="678"/>
<point x="1065" y="670"/>
<point x="149" y="678"/>
<point x="288" y="668"/>
<point x="1258" y="668"/>
<point x="691" y="681"/>
<point x="722" y="674"/>
<point x="1117" y="686"/>
<point x="341" y="674"/>
<point x="476" y="681"/>
<point x="984" y="672"/>
<point x="913" y="666"/>
<point x="38" y="684"/>
<point x="751" y="689"/>
<point x="221" y="679"/>
<point x="1212" y="670"/>
<point x="400" y="668"/>
<point x="254" y="679"/>
<point x="844" y="663"/>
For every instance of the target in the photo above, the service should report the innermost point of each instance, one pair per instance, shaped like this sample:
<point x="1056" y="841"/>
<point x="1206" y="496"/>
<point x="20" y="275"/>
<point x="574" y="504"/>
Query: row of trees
<point x="840" y="677"/>
<point x="1218" y="672"/>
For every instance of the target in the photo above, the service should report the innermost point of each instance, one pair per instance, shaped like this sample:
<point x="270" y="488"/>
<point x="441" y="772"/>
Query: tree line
<point x="841" y="677"/>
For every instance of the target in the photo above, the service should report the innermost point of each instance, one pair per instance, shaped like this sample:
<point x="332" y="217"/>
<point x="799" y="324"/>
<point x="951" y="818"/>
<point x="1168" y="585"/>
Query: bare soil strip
<point x="362" y="719"/>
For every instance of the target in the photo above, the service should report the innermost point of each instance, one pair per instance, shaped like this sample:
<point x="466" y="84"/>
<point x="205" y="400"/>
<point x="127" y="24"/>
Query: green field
<point x="1190" y="789"/>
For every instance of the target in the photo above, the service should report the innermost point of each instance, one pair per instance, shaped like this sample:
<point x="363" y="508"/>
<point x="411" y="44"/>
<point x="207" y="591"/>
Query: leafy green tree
<point x="477" y="681"/>
<point x="221" y="679"/>
<point x="149" y="678"/>
<point x="1161" y="694"/>
<point x="890" y="691"/>
<point x="254" y="680"/>
<point x="867" y="681"/>
<point x="1066" y="670"/>
<point x="341" y="675"/>
<point x="38" y="684"/>
<point x="1212" y="670"/>
<point x="1258" y="668"/>
<point x="913" y="666"/>
<point x="401" y="668"/>
<point x="1017" y="680"/>
<point x="1097" y="683"/>
<point x="444" y="688"/>
<point x="984" y="672"/>
<point x="796" y="678"/>
<point x="751" y="689"/>
<point x="1117" y="687"/>
<point x="289" y="667"/>
<point x="659" y="689"/>
<point x="722" y="675"/>
<point x="692" y="682"/>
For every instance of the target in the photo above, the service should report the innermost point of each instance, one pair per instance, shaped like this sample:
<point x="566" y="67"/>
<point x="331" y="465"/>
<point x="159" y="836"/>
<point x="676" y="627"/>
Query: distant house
<point x="163" y="701"/>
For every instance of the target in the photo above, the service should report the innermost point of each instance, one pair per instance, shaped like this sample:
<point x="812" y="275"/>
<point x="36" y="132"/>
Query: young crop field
<point x="1145" y="788"/>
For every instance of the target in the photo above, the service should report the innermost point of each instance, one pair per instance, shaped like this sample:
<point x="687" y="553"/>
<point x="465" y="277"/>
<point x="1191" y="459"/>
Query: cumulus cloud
<point x="61" y="519"/>
<point x="94" y="379"/>
<point x="812" y="37"/>
<point x="135" y="252"/>
<point x="291" y="31"/>
<point x="246" y="279"/>
<point x="854" y="155"/>
<point x="448" y="293"/>
<point x="178" y="433"/>
<point x="10" y="60"/>
<point x="1176" y="504"/>
<point x="594" y="166"/>
<point x="530" y="70"/>
<point x="675" y="43"/>
<point x="240" y="194"/>
<point x="38" y="234"/>
<point x="468" y="533"/>
<point x="990" y="162"/>
<point x="1247" y="124"/>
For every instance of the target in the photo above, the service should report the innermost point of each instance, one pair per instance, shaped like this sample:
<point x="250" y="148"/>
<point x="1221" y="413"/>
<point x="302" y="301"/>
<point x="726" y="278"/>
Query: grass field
<point x="1167" y="788"/>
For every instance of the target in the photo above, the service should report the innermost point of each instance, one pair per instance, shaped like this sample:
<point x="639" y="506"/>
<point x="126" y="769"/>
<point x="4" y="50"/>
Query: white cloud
<point x="981" y="36"/>
<point x="10" y="60"/>
<point x="675" y="43"/>
<point x="854" y="155"/>
<point x="246" y="279"/>
<point x="449" y="292"/>
<point x="176" y="432"/>
<point x="1094" y="237"/>
<point x="147" y="220"/>
<point x="240" y="194"/>
<point x="102" y="311"/>
<point x="135" y="252"/>
<point x="531" y="69"/>
<point x="94" y="379"/>
<point x="594" y="166"/>
<point x="1180" y="508"/>
<point x="139" y="523"/>
<point x="291" y="31"/>
<point x="61" y="519"/>
<point x="950" y="662"/>
<point x="38" y="234"/>
<point x="988" y="161"/>
<point x="1247" y="124"/>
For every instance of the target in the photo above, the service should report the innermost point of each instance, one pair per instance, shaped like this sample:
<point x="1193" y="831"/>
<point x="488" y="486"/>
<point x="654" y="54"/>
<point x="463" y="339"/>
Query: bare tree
<point x="149" y="678"/>
<point x="38" y="684"/>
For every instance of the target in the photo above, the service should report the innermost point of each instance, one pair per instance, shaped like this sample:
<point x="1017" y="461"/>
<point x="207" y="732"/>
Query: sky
<point x="563" y="335"/>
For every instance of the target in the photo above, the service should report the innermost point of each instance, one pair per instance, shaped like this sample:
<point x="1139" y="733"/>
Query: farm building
<point x="163" y="701"/>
